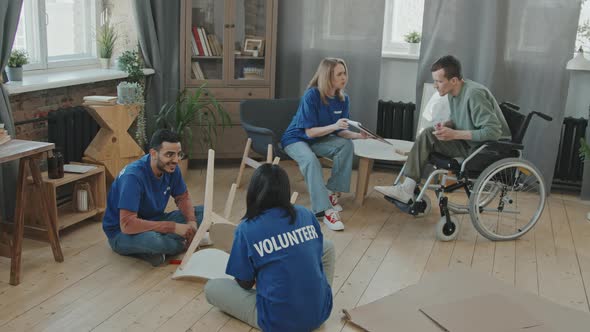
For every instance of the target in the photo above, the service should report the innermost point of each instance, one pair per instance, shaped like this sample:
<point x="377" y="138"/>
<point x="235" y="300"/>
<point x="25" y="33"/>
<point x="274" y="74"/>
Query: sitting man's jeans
<point x="151" y="242"/>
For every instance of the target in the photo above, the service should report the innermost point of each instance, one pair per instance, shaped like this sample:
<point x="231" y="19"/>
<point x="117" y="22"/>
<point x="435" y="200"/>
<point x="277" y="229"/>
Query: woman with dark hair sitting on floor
<point x="280" y="248"/>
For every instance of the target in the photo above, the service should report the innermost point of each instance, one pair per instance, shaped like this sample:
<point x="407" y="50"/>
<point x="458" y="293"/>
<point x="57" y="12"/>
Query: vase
<point x="126" y="94"/>
<point x="414" y="48"/>
<point x="14" y="73"/>
<point x="105" y="63"/>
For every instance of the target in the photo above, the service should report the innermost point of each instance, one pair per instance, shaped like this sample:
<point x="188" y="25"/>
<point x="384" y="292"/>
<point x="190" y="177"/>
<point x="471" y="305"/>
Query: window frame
<point x="389" y="47"/>
<point x="35" y="10"/>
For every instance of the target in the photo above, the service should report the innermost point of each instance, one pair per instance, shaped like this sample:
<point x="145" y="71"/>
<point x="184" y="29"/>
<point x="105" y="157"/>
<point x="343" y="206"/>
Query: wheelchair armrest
<point x="503" y="145"/>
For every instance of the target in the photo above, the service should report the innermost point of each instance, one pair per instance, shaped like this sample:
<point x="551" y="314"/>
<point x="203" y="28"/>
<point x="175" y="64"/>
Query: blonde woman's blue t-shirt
<point x="285" y="260"/>
<point x="312" y="112"/>
<point x="137" y="189"/>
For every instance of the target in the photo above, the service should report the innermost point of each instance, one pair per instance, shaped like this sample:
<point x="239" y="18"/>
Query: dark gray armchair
<point x="265" y="121"/>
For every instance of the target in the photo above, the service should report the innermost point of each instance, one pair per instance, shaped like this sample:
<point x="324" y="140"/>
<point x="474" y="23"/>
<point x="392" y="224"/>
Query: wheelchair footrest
<point x="410" y="207"/>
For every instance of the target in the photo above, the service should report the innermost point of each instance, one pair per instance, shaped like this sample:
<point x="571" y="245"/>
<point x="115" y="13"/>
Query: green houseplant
<point x="197" y="108"/>
<point x="585" y="155"/>
<point x="413" y="38"/>
<point x="18" y="58"/>
<point x="106" y="37"/>
<point x="130" y="62"/>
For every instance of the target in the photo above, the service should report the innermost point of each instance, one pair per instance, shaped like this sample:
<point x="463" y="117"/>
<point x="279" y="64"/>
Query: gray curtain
<point x="159" y="37"/>
<point x="518" y="49"/>
<point x="9" y="14"/>
<point x="309" y="30"/>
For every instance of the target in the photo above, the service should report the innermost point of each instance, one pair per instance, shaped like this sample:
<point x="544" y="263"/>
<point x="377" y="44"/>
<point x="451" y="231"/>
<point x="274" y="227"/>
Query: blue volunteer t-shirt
<point x="292" y="292"/>
<point x="137" y="189"/>
<point x="312" y="112"/>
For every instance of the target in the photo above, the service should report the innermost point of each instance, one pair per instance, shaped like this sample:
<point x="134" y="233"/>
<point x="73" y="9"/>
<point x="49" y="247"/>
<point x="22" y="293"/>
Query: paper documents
<point x="371" y="134"/>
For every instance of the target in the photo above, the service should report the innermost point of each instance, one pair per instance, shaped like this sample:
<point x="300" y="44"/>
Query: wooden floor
<point x="381" y="251"/>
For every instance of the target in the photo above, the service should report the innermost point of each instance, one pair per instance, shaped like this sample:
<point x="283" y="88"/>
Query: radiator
<point x="569" y="167"/>
<point x="71" y="129"/>
<point x="395" y="120"/>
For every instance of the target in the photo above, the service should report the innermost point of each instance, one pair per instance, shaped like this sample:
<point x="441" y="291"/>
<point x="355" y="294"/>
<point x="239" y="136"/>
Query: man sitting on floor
<point x="475" y="118"/>
<point x="135" y="222"/>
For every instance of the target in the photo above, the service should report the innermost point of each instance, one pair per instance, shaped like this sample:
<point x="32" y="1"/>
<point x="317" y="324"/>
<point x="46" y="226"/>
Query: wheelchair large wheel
<point x="515" y="204"/>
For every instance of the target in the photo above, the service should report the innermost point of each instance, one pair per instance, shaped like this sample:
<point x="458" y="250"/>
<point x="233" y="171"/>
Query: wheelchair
<point x="506" y="193"/>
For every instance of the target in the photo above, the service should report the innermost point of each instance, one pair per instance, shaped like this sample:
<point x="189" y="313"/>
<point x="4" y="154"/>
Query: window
<point x="583" y="38"/>
<point x="401" y="17"/>
<point x="57" y="33"/>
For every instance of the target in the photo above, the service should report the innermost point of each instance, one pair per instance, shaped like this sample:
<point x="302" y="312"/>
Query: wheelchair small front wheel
<point x="426" y="204"/>
<point x="516" y="204"/>
<point x="447" y="231"/>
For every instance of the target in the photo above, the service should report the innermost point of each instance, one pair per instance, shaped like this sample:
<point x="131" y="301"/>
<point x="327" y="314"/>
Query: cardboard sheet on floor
<point x="482" y="313"/>
<point x="401" y="310"/>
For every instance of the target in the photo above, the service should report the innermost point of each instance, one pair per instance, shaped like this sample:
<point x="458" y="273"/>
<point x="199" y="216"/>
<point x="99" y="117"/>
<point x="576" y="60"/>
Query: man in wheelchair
<point x="475" y="118"/>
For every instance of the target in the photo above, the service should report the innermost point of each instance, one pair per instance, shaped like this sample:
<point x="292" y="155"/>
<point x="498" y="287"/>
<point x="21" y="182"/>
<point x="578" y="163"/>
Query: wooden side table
<point x="29" y="153"/>
<point x="370" y="150"/>
<point x="112" y="146"/>
<point x="65" y="214"/>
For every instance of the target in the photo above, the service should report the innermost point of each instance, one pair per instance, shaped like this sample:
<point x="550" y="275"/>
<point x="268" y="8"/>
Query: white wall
<point x="398" y="79"/>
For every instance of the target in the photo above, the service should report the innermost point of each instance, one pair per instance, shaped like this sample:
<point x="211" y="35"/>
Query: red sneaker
<point x="334" y="201"/>
<point x="332" y="220"/>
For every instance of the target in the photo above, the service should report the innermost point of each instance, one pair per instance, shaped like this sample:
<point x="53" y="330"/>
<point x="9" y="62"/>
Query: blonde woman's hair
<point x="322" y="79"/>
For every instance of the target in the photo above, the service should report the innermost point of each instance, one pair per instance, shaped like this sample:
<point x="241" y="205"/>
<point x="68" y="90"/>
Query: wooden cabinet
<point x="229" y="45"/>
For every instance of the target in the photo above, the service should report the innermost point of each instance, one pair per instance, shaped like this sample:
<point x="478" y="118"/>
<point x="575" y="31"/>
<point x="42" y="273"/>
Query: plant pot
<point x="14" y="73"/>
<point x="105" y="63"/>
<point x="414" y="48"/>
<point x="183" y="165"/>
<point x="126" y="94"/>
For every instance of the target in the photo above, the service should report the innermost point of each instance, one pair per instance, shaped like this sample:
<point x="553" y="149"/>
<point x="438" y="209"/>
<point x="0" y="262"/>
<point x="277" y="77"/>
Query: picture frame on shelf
<point x="253" y="47"/>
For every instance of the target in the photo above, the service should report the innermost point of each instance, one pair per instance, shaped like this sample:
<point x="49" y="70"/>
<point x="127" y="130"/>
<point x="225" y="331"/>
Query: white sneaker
<point x="206" y="241"/>
<point x="332" y="220"/>
<point x="396" y="192"/>
<point x="333" y="197"/>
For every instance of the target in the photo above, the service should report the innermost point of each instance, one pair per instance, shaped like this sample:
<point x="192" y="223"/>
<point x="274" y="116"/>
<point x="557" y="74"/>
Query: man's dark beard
<point x="161" y="166"/>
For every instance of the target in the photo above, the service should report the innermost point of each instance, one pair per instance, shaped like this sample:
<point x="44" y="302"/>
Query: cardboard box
<point x="453" y="290"/>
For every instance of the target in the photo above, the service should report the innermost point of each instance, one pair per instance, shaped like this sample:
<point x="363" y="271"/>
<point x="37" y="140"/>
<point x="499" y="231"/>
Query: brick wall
<point x="31" y="105"/>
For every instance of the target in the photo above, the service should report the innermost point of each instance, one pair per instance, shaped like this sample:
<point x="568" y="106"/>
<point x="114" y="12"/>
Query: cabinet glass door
<point x="251" y="39"/>
<point x="205" y="40"/>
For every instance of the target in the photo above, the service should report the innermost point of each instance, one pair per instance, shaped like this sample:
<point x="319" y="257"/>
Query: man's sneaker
<point x="396" y="192"/>
<point x="334" y="201"/>
<point x="206" y="241"/>
<point x="320" y="214"/>
<point x="153" y="259"/>
<point x="332" y="220"/>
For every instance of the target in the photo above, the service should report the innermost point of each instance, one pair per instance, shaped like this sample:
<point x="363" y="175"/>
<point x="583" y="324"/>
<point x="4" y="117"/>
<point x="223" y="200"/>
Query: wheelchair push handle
<point x="543" y="116"/>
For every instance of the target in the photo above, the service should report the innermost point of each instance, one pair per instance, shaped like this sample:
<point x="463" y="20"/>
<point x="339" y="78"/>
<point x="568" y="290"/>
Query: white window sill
<point x="404" y="56"/>
<point x="51" y="80"/>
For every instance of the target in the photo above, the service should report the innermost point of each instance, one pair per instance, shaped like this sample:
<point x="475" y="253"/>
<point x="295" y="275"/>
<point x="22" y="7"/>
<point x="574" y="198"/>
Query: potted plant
<point x="106" y="36"/>
<point x="16" y="61"/>
<point x="413" y="38"/>
<point x="197" y="108"/>
<point x="130" y="62"/>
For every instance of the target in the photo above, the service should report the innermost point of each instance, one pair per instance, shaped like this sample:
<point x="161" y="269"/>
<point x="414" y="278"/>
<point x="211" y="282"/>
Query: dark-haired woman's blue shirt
<point x="312" y="112"/>
<point x="292" y="292"/>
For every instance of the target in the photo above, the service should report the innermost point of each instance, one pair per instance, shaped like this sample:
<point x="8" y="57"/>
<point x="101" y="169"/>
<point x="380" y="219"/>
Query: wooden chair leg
<point x="244" y="160"/>
<point x="269" y="153"/>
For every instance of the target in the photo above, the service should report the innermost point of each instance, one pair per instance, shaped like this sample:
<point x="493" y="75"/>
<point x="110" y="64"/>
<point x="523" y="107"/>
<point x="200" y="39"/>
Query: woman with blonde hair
<point x="320" y="129"/>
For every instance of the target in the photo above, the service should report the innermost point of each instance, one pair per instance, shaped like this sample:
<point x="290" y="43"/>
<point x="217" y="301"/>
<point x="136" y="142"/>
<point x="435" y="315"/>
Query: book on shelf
<point x="197" y="39"/>
<point x="194" y="46"/>
<point x="198" y="73"/>
<point x="203" y="37"/>
<point x="213" y="48"/>
<point x="73" y="168"/>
